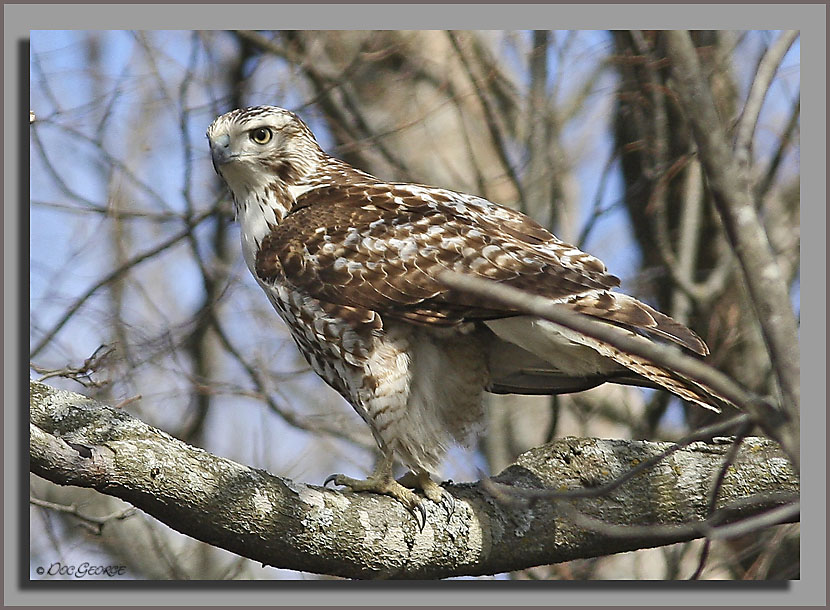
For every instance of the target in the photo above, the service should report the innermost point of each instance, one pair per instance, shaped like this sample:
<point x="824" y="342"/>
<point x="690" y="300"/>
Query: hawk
<point x="351" y="264"/>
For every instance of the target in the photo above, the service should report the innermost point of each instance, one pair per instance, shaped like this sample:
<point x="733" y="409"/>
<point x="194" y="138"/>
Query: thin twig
<point x="770" y="550"/>
<point x="728" y="461"/>
<point x="785" y="513"/>
<point x="760" y="87"/>
<point x="596" y="210"/>
<point x="113" y="162"/>
<point x="115" y="274"/>
<point x="108" y="211"/>
<point x="769" y="175"/>
<point x="494" y="125"/>
<point x="127" y="401"/>
<point x="522" y="301"/>
<point x="93" y="524"/>
<point x="712" y="527"/>
<point x="325" y="84"/>
<point x="83" y="373"/>
<point x="508" y="492"/>
<point x="288" y="416"/>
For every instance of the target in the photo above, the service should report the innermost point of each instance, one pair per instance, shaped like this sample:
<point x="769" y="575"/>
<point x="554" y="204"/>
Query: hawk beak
<point x="220" y="149"/>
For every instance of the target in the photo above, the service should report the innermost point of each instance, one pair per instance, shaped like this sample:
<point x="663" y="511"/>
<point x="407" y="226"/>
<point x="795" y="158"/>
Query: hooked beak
<point x="220" y="150"/>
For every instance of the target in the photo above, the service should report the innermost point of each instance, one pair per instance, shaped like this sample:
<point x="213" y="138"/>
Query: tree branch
<point x="76" y="441"/>
<point x="116" y="273"/>
<point x="760" y="87"/>
<point x="772" y="421"/>
<point x="729" y="182"/>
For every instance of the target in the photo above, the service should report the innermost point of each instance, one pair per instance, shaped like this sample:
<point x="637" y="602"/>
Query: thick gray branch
<point x="76" y="441"/>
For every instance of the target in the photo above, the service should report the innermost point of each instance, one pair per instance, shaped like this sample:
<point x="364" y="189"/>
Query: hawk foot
<point x="432" y="490"/>
<point x="386" y="485"/>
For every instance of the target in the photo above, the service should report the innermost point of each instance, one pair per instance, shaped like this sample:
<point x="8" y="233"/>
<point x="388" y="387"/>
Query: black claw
<point x="420" y="514"/>
<point x="448" y="502"/>
<point x="332" y="478"/>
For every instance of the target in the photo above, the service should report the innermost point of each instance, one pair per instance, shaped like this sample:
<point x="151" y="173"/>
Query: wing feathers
<point x="623" y="309"/>
<point x="380" y="247"/>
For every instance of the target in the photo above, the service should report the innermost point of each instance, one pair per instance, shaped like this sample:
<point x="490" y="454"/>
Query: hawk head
<point x="254" y="147"/>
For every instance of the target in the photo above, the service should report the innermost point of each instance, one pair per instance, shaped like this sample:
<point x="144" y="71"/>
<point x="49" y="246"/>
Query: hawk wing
<point x="377" y="247"/>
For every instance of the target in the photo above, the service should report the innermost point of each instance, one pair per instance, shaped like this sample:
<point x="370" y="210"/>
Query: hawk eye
<point x="261" y="135"/>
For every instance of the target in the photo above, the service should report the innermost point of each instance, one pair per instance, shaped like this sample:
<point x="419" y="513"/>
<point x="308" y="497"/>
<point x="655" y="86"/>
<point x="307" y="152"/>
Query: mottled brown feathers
<point x="381" y="247"/>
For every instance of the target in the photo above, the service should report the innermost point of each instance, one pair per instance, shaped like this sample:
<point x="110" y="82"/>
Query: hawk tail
<point x="534" y="356"/>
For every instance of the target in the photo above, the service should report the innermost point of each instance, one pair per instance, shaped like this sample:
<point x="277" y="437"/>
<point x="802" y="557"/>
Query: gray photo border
<point x="809" y="18"/>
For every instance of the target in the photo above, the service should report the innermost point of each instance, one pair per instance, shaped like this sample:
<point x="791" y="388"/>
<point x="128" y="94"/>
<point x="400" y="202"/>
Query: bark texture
<point x="279" y="522"/>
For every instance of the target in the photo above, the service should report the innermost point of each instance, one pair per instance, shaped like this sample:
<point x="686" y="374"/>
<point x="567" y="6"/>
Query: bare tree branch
<point x="537" y="187"/>
<point x="116" y="273"/>
<point x="783" y="142"/>
<point x="495" y="125"/>
<point x="729" y="182"/>
<point x="760" y="86"/>
<point x="93" y="524"/>
<point x="691" y="217"/>
<point x="258" y="378"/>
<point x="326" y="84"/>
<point x="76" y="441"/>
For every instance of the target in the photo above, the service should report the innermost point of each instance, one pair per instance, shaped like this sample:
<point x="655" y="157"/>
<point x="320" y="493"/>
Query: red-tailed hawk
<point x="351" y="263"/>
